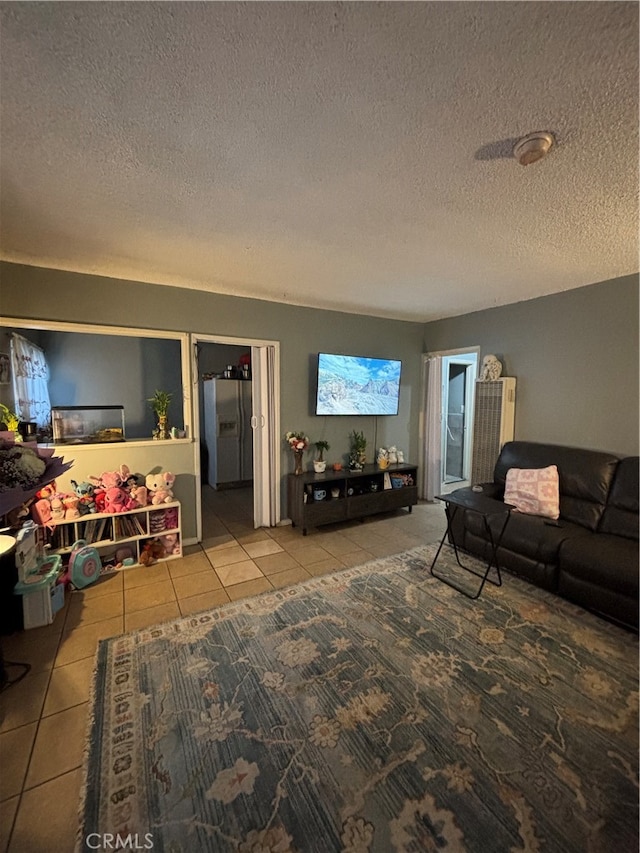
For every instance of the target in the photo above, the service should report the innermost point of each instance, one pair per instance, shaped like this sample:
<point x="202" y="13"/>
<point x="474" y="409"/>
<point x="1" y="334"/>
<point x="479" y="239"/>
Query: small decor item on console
<point x="383" y="457"/>
<point x="298" y="442"/>
<point x="357" y="455"/>
<point x="319" y="464"/>
<point x="491" y="369"/>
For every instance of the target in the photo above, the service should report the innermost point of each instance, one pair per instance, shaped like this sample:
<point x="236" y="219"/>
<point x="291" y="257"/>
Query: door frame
<point x="422" y="431"/>
<point x="470" y="374"/>
<point x="270" y="464"/>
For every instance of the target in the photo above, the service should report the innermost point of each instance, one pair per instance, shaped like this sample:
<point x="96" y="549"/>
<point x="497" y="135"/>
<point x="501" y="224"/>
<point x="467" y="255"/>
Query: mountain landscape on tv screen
<point x="348" y="385"/>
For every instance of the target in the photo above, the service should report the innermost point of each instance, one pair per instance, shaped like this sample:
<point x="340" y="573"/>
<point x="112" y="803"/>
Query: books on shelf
<point x="106" y="529"/>
<point x="127" y="526"/>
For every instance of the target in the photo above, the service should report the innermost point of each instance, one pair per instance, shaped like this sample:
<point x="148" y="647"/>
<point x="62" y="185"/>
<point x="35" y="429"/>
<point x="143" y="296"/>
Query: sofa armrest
<point x="493" y="490"/>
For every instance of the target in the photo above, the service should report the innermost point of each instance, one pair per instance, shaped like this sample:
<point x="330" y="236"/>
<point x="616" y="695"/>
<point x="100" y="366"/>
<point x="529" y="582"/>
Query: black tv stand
<point x="349" y="494"/>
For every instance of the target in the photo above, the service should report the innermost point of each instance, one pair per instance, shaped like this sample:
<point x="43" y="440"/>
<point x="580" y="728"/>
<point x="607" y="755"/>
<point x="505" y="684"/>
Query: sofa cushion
<point x="585" y="476"/>
<point x="533" y="491"/>
<point x="620" y="516"/>
<point x="534" y="537"/>
<point x="609" y="562"/>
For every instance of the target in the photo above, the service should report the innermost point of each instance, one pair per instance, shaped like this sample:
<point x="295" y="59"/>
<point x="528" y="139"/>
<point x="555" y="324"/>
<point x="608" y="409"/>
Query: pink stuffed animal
<point x="159" y="486"/>
<point x="117" y="500"/>
<point x="140" y="495"/>
<point x="71" y="507"/>
<point x="107" y="480"/>
<point x="41" y="513"/>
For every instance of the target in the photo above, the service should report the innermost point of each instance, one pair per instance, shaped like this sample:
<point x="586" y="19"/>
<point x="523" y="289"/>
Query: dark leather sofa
<point x="590" y="554"/>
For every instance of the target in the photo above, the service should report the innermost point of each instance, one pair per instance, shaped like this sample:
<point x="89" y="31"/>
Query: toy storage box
<point x="42" y="596"/>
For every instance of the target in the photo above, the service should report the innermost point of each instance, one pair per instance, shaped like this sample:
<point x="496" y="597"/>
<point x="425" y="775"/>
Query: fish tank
<point x="87" y="424"/>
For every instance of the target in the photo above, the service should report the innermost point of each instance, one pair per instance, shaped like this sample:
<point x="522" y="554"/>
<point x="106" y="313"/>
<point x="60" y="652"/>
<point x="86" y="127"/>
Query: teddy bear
<point x="159" y="487"/>
<point x="170" y="543"/>
<point x="139" y="494"/>
<point x="153" y="550"/>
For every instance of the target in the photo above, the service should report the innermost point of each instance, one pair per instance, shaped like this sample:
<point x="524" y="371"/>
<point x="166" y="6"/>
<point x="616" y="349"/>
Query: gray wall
<point x="100" y="370"/>
<point x="27" y="293"/>
<point x="575" y="357"/>
<point x="575" y="354"/>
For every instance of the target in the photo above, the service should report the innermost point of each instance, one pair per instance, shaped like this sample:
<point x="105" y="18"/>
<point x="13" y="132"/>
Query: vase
<point x="162" y="432"/>
<point x="319" y="466"/>
<point x="297" y="455"/>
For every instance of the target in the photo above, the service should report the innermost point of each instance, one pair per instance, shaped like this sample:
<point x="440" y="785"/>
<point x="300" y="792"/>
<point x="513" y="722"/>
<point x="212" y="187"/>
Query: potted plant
<point x="357" y="457"/>
<point x="160" y="405"/>
<point x="9" y="418"/>
<point x="319" y="464"/>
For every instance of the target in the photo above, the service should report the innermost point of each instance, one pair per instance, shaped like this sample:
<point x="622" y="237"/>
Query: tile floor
<point x="43" y="717"/>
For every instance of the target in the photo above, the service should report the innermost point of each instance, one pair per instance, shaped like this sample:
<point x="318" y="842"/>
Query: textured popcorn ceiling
<point x="343" y="155"/>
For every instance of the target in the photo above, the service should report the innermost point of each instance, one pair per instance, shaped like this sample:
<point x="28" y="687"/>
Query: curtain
<point x="431" y="452"/>
<point x="30" y="376"/>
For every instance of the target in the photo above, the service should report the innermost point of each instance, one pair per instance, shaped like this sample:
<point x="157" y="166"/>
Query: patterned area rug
<point x="371" y="710"/>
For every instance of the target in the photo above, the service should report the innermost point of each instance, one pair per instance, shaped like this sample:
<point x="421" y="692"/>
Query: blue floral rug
<point x="371" y="710"/>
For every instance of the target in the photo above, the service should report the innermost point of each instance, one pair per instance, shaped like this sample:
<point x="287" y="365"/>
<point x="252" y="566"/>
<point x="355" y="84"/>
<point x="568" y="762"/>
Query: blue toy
<point x="84" y="492"/>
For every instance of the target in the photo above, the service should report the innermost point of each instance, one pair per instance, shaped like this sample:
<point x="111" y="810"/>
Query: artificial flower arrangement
<point x="297" y="440"/>
<point x="25" y="468"/>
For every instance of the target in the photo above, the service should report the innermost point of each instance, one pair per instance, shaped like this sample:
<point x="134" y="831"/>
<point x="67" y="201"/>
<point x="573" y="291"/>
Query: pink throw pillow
<point x="535" y="491"/>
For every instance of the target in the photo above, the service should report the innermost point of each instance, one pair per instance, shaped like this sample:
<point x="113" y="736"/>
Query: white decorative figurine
<point x="491" y="369"/>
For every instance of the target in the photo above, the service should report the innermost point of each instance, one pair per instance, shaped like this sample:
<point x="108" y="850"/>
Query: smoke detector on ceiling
<point x="533" y="147"/>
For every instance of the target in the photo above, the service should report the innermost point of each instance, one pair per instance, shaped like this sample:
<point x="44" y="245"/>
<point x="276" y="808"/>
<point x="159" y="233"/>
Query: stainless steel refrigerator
<point x="227" y="430"/>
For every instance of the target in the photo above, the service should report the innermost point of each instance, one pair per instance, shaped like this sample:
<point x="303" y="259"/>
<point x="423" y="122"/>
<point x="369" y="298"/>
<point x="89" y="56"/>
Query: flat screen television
<point x="352" y="385"/>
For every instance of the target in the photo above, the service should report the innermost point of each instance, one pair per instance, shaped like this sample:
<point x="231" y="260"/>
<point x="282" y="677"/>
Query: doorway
<point x="217" y="358"/>
<point x="458" y="377"/>
<point x="446" y="420"/>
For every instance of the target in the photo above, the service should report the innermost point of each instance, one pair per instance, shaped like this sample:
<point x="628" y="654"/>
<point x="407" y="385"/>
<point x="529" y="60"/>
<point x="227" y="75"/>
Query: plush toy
<point x="159" y="486"/>
<point x="85" y="491"/>
<point x="153" y="550"/>
<point x="100" y="499"/>
<point x="118" y="500"/>
<point x="57" y="508"/>
<point x="41" y="512"/>
<point x="71" y="510"/>
<point x="107" y="480"/>
<point x="129" y="479"/>
<point x="170" y="543"/>
<point x="140" y="495"/>
<point x="47" y="491"/>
